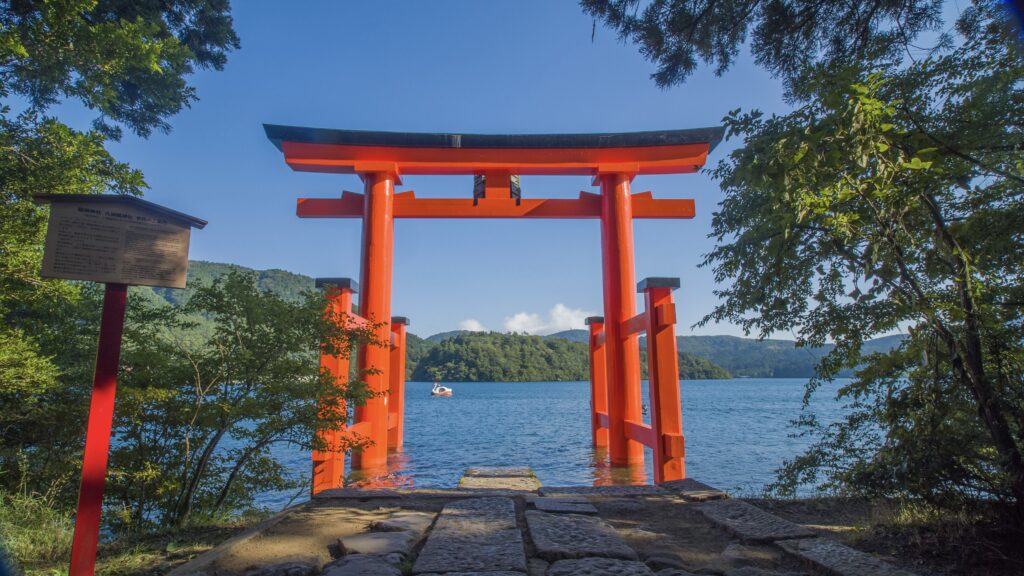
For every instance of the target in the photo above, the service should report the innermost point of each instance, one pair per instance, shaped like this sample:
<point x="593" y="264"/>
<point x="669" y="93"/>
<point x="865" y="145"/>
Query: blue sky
<point x="487" y="67"/>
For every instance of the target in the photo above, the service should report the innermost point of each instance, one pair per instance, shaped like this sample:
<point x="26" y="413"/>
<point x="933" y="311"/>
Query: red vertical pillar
<point x="97" y="436"/>
<point x="396" y="393"/>
<point x="598" y="383"/>
<point x="375" y="306"/>
<point x="663" y="376"/>
<point x="329" y="464"/>
<point x="622" y="353"/>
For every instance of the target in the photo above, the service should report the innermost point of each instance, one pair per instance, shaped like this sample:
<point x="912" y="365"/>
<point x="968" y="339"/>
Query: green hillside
<point x="285" y="284"/>
<point x="499" y="357"/>
<point x="755" y="358"/>
<point x="496" y="357"/>
<point x="768" y="358"/>
<point x="442" y="336"/>
<point x="463" y="355"/>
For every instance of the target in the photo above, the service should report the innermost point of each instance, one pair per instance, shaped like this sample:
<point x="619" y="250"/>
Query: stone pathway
<point x="750" y="523"/>
<point x="474" y="535"/>
<point x="568" y="536"/>
<point x="502" y="522"/>
<point x="834" y="558"/>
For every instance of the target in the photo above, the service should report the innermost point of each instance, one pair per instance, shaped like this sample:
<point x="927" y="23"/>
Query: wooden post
<point x="375" y="306"/>
<point x="598" y="383"/>
<point x="97" y="436"/>
<point x="396" y="392"/>
<point x="329" y="465"/>
<point x="622" y="352"/>
<point x="663" y="377"/>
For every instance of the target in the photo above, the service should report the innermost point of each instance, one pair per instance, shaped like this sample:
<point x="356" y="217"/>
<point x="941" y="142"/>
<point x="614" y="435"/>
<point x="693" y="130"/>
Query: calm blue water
<point x="737" y="431"/>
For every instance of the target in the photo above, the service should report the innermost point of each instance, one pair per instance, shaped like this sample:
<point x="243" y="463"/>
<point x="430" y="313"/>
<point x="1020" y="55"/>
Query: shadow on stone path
<point x="502" y="522"/>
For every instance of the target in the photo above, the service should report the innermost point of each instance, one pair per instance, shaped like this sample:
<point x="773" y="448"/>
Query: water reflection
<point x="398" y="472"/>
<point x="395" y="474"/>
<point x="604" y="474"/>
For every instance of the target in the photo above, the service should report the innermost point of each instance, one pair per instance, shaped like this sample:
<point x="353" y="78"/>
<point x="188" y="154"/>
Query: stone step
<point x="518" y="478"/>
<point x="839" y="559"/>
<point x="603" y="566"/>
<point x="502" y="471"/>
<point x="568" y="504"/>
<point x="569" y="536"/>
<point x="749" y="523"/>
<point x="612" y="490"/>
<point x="694" y="491"/>
<point x="474" y="535"/>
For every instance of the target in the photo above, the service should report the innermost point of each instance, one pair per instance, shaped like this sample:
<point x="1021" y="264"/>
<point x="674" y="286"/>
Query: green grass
<point x="36" y="534"/>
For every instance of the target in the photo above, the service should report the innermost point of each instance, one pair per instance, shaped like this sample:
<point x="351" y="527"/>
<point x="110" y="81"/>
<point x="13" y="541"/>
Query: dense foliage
<point x="893" y="197"/>
<point x="783" y="35"/>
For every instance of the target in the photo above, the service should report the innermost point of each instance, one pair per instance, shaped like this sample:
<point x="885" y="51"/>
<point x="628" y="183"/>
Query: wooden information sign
<point x="120" y="241"/>
<point x="116" y="239"/>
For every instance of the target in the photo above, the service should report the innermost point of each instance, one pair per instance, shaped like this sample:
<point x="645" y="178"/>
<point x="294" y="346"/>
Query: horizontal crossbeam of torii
<point x="612" y="160"/>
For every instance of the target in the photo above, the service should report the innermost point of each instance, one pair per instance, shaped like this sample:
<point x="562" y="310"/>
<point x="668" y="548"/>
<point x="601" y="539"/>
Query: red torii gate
<point x="613" y="160"/>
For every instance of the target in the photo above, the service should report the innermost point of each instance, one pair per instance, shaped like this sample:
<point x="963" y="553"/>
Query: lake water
<point x="737" y="432"/>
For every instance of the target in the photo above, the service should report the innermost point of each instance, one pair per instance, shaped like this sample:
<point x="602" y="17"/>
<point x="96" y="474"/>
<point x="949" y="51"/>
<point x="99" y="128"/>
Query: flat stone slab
<point x="361" y="565"/>
<point x="568" y="536"/>
<point x="379" y="542"/>
<point x="750" y="523"/>
<point x="838" y="559"/>
<point x="499" y="471"/>
<point x="614" y="490"/>
<point x="523" y="483"/>
<point x="755" y="571"/>
<point x="292" y="567"/>
<point x="474" y="535"/>
<point x="564" y="505"/>
<point x="594" y="566"/>
<point x="500" y="573"/>
<point x="694" y="491"/>
<point x="457" y="493"/>
<point x="417" y="522"/>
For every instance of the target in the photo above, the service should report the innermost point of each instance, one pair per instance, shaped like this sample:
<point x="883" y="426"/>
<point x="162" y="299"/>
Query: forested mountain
<point x="463" y="355"/>
<point x="500" y="357"/>
<point x="285" y="284"/>
<point x="442" y="336"/>
<point x="749" y="357"/>
<point x="496" y="357"/>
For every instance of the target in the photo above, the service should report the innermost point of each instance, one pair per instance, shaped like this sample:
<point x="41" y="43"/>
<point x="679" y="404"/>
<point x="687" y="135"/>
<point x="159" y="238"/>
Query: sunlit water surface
<point x="737" y="432"/>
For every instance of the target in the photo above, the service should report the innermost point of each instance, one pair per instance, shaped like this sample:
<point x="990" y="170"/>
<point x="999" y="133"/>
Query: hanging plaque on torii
<point x="612" y="160"/>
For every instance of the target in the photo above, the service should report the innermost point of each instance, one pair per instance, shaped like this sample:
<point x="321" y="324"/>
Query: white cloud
<point x="472" y="324"/>
<point x="561" y="317"/>
<point x="524" y="322"/>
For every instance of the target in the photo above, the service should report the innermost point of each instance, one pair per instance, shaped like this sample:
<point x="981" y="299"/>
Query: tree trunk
<point x="989" y="408"/>
<point x="239" y="466"/>
<point x="184" y="507"/>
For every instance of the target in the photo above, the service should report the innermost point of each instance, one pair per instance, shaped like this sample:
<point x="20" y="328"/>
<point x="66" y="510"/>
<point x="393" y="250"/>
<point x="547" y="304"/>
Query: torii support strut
<point x="612" y="160"/>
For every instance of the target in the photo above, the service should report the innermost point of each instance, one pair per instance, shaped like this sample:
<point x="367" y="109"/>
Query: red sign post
<point x="97" y="436"/>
